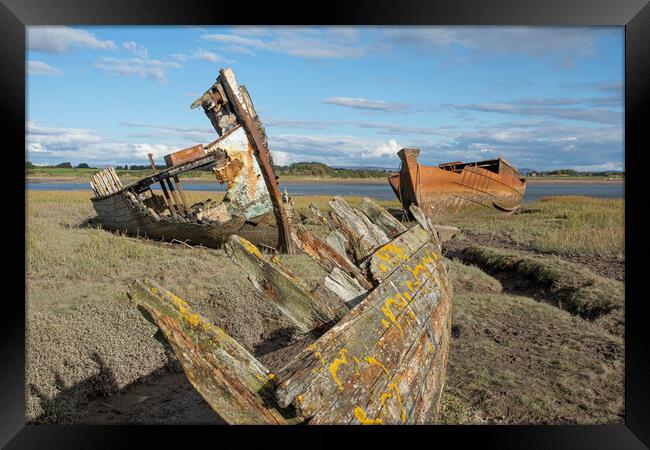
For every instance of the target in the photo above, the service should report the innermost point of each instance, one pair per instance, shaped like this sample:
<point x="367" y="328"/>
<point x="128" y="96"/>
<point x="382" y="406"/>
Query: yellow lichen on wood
<point x="319" y="355"/>
<point x="250" y="247"/>
<point x="342" y="359"/>
<point x="389" y="394"/>
<point x="361" y="416"/>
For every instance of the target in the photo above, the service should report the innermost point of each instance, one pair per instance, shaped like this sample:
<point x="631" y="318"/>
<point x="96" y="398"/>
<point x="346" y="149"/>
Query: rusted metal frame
<point x="285" y="244"/>
<point x="499" y="180"/>
<point x="468" y="186"/>
<point x="168" y="200"/>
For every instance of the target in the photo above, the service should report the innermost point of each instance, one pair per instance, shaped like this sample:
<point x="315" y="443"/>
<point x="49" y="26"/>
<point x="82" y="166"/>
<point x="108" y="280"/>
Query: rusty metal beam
<point x="261" y="151"/>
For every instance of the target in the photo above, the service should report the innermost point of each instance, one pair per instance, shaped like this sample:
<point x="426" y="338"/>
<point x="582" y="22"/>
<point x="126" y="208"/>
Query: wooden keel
<point x="233" y="382"/>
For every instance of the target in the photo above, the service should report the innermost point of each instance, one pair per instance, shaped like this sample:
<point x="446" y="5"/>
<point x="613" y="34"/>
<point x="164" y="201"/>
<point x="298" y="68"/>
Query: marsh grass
<point x="569" y="286"/>
<point x="514" y="360"/>
<point x="567" y="225"/>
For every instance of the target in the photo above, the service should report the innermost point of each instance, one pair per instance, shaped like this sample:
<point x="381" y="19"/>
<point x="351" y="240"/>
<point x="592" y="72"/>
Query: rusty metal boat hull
<point x="457" y="188"/>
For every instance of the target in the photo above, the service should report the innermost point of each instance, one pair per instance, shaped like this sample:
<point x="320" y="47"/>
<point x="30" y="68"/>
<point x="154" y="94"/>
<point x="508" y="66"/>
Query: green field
<point x="515" y="356"/>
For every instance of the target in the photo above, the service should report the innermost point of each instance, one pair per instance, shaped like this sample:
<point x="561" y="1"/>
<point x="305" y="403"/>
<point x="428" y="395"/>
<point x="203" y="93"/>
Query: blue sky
<point x="543" y="98"/>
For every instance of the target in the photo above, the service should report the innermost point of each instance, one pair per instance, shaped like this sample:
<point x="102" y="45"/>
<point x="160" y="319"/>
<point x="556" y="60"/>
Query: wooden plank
<point x="168" y="200"/>
<point x="339" y="244"/>
<point x="325" y="255"/>
<point x="117" y="180"/>
<point x="179" y="205"/>
<point x="353" y="363"/>
<point x="446" y="232"/>
<point x="363" y="235"/>
<point x="185" y="155"/>
<point x="233" y="382"/>
<point x="320" y="218"/>
<point x="382" y="218"/>
<point x="391" y="255"/>
<point x="422" y="219"/>
<point x="347" y="288"/>
<point x="288" y="293"/>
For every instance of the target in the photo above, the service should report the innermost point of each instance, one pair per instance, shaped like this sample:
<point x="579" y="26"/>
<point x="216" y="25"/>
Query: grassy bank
<point x="567" y="225"/>
<point x="564" y="284"/>
<point x="512" y="358"/>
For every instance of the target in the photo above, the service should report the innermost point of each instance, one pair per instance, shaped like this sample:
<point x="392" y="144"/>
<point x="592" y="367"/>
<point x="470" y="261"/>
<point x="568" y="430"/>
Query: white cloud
<point x="562" y="44"/>
<point x="388" y="149"/>
<point x="56" y="144"/>
<point x="282" y="158"/>
<point x="205" y="55"/>
<point x="180" y="57"/>
<point x="335" y="150"/>
<point x="310" y="43"/>
<point x="610" y="165"/>
<point x="201" y="55"/>
<point x="141" y="151"/>
<point x="557" y="108"/>
<point x="137" y="49"/>
<point x="306" y="124"/>
<point x="63" y="39"/>
<point x="184" y="133"/>
<point x="362" y="103"/>
<point x="137" y="66"/>
<point x="40" y="68"/>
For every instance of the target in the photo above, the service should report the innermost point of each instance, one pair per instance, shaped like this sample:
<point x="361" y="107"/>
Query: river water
<point x="379" y="191"/>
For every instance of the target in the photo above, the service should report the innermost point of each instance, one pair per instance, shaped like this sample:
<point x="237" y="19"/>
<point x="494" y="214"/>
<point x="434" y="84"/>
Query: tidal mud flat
<point x="515" y="356"/>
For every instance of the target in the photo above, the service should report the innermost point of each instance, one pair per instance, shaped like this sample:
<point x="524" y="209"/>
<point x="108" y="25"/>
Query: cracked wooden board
<point x="378" y="351"/>
<point x="281" y="287"/>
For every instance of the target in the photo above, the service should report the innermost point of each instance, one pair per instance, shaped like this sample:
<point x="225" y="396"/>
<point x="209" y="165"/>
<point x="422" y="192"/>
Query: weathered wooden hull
<point x="445" y="192"/>
<point x="119" y="213"/>
<point x="380" y="359"/>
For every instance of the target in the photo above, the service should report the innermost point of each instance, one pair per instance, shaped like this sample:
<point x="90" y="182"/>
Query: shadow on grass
<point x="92" y="222"/>
<point x="163" y="396"/>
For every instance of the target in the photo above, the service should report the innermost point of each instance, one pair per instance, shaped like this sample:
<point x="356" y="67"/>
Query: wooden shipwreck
<point x="378" y="356"/>
<point x="252" y="206"/>
<point x="457" y="187"/>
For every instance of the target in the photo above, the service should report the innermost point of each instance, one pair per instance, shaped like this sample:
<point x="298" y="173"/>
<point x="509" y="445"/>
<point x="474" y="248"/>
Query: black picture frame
<point x="634" y="15"/>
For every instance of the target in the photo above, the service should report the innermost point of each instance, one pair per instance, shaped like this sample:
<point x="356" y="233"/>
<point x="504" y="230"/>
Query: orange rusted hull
<point x="457" y="188"/>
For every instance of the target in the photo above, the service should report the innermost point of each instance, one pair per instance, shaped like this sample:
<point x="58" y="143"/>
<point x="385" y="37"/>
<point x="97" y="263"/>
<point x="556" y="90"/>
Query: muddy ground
<point x="92" y="357"/>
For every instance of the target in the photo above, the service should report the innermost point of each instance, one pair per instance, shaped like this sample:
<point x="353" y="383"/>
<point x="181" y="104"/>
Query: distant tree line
<point x="574" y="173"/>
<point x="63" y="165"/>
<point x="317" y="169"/>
